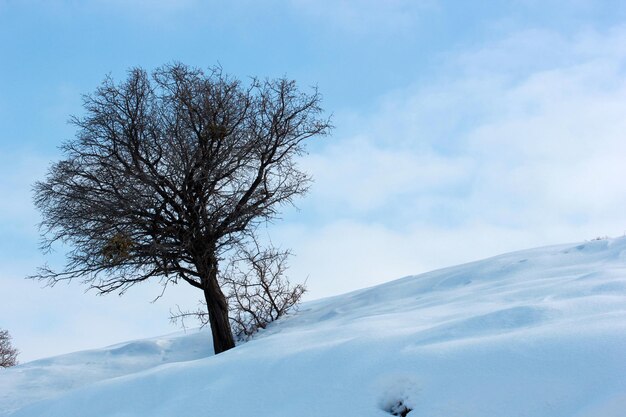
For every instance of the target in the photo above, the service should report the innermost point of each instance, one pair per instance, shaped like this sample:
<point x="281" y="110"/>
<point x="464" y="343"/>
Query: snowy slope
<point x="534" y="333"/>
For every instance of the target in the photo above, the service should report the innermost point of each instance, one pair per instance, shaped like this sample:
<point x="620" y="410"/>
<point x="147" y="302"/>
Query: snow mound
<point x="535" y="333"/>
<point x="46" y="378"/>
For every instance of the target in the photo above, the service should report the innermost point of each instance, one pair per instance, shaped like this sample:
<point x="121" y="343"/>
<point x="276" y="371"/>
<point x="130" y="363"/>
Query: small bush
<point x="258" y="291"/>
<point x="399" y="409"/>
<point x="8" y="354"/>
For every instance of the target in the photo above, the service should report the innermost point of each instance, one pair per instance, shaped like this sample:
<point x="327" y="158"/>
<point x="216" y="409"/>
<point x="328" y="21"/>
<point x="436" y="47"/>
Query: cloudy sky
<point x="463" y="130"/>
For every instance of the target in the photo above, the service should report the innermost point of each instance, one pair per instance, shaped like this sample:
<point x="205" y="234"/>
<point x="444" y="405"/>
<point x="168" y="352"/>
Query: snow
<point x="534" y="333"/>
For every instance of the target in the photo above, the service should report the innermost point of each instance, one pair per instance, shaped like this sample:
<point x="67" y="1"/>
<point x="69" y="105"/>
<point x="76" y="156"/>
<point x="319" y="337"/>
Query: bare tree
<point x="8" y="354"/>
<point x="169" y="172"/>
<point x="257" y="290"/>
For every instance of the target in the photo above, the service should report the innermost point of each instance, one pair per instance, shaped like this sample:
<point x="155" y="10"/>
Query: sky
<point x="462" y="130"/>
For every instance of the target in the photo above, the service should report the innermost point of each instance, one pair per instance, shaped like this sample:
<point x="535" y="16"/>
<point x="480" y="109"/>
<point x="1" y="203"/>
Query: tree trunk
<point x="217" y="307"/>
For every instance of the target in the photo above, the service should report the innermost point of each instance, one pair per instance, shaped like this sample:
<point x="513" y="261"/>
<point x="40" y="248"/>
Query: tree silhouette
<point x="169" y="172"/>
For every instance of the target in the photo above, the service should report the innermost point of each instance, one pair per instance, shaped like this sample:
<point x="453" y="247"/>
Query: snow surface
<point x="534" y="333"/>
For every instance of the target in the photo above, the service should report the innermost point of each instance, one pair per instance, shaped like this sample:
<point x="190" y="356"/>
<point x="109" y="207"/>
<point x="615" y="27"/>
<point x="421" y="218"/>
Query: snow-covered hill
<point x="534" y="333"/>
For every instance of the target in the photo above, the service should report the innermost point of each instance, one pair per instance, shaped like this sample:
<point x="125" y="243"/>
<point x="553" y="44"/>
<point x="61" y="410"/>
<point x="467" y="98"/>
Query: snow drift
<point x="534" y="333"/>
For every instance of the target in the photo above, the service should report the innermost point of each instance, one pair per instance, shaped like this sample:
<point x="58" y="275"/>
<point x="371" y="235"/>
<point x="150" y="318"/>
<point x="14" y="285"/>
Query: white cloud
<point x="554" y="139"/>
<point x="346" y="255"/>
<point x="360" y="175"/>
<point x="483" y="160"/>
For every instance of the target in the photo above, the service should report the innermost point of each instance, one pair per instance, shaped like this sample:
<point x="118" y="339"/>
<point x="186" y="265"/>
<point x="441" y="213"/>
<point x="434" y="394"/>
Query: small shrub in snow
<point x="399" y="409"/>
<point x="258" y="291"/>
<point x="8" y="354"/>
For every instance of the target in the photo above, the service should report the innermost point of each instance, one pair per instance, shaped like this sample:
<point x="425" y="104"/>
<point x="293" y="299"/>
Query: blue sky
<point x="463" y="130"/>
